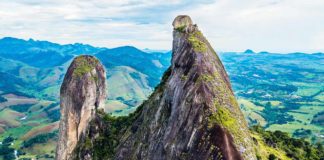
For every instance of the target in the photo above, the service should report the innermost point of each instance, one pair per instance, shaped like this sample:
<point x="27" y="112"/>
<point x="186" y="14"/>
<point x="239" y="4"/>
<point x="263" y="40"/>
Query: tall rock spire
<point x="82" y="92"/>
<point x="193" y="113"/>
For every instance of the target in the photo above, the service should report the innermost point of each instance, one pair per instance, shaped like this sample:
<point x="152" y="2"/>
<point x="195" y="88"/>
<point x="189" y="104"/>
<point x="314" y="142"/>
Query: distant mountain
<point x="16" y="46"/>
<point x="36" y="66"/>
<point x="152" y="65"/>
<point x="31" y="73"/>
<point x="147" y="50"/>
<point x="192" y="114"/>
<point x="263" y="52"/>
<point x="42" y="53"/>
<point x="249" y="51"/>
<point x="277" y="91"/>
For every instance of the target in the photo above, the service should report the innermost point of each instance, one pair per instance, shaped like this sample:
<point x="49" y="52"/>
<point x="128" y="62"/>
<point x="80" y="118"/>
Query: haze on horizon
<point x="264" y="25"/>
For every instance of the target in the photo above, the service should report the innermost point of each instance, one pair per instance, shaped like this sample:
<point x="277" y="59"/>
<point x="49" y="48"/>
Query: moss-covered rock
<point x="223" y="117"/>
<point x="83" y="91"/>
<point x="192" y="113"/>
<point x="84" y="65"/>
<point x="196" y="42"/>
<point x="181" y="29"/>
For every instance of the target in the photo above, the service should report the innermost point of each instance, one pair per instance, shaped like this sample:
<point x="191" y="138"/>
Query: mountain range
<point x="278" y="91"/>
<point x="191" y="114"/>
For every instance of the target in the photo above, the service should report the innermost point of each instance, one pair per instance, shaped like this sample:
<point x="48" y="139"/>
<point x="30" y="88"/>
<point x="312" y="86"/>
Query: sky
<point x="230" y="25"/>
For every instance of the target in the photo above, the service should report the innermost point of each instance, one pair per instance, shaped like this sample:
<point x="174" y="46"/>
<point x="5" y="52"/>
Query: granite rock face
<point x="192" y="114"/>
<point x="182" y="20"/>
<point x="82" y="92"/>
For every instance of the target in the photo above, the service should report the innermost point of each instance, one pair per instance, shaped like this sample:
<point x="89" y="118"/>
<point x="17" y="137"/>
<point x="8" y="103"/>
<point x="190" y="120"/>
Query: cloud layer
<point x="230" y="25"/>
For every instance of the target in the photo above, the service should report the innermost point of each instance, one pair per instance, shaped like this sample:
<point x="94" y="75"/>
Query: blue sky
<point x="230" y="25"/>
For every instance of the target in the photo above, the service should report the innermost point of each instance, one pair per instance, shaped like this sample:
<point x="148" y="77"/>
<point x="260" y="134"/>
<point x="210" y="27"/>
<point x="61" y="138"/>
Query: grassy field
<point x="27" y="123"/>
<point x="278" y="91"/>
<point x="302" y="118"/>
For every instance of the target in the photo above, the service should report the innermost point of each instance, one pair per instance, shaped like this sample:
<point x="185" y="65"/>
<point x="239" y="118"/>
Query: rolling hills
<point x="278" y="91"/>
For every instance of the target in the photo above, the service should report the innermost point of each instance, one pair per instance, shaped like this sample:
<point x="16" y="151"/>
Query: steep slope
<point x="192" y="114"/>
<point x="82" y="92"/>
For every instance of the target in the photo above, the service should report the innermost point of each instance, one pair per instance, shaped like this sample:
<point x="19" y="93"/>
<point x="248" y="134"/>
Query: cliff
<point x="192" y="114"/>
<point x="82" y="92"/>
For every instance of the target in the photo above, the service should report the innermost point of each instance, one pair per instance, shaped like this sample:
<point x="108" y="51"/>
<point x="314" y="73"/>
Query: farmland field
<point x="277" y="91"/>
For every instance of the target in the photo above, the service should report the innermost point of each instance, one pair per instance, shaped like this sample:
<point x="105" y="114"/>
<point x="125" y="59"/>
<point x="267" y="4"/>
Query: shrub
<point x="294" y="148"/>
<point x="272" y="157"/>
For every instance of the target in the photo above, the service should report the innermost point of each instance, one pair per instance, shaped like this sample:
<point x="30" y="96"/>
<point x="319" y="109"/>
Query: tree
<point x="272" y="157"/>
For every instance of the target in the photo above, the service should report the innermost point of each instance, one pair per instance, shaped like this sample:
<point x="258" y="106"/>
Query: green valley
<point x="277" y="91"/>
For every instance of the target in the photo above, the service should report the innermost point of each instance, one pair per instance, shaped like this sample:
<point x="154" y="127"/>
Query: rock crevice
<point x="192" y="114"/>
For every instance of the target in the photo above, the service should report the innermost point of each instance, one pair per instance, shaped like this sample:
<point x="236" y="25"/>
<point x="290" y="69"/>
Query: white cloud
<point x="273" y="25"/>
<point x="279" y="26"/>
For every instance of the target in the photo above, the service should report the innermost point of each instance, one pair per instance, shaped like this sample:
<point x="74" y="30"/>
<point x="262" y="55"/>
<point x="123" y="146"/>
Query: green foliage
<point x="104" y="146"/>
<point x="84" y="65"/>
<point x="272" y="157"/>
<point x="275" y="115"/>
<point x="88" y="143"/>
<point x="228" y="120"/>
<point x="2" y="99"/>
<point x="303" y="78"/>
<point x="7" y="141"/>
<point x="295" y="96"/>
<point x="95" y="78"/>
<point x="258" y="157"/>
<point x="318" y="118"/>
<point x="21" y="107"/>
<point x="206" y="78"/>
<point x="196" y="42"/>
<point x="183" y="78"/>
<point x="53" y="114"/>
<point x="298" y="149"/>
<point x="302" y="133"/>
<point x="45" y="156"/>
<point x="181" y="28"/>
<point x="41" y="138"/>
<point x="10" y="156"/>
<point x="81" y="70"/>
<point x="222" y="117"/>
<point x="5" y="150"/>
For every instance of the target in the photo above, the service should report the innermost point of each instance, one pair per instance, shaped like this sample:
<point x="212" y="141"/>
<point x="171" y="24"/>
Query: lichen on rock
<point x="180" y="119"/>
<point x="192" y="113"/>
<point x="84" y="65"/>
<point x="80" y="97"/>
<point x="196" y="42"/>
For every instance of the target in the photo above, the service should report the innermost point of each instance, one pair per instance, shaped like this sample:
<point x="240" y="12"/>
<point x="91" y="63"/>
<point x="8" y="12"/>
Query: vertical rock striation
<point x="193" y="113"/>
<point x="82" y="92"/>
